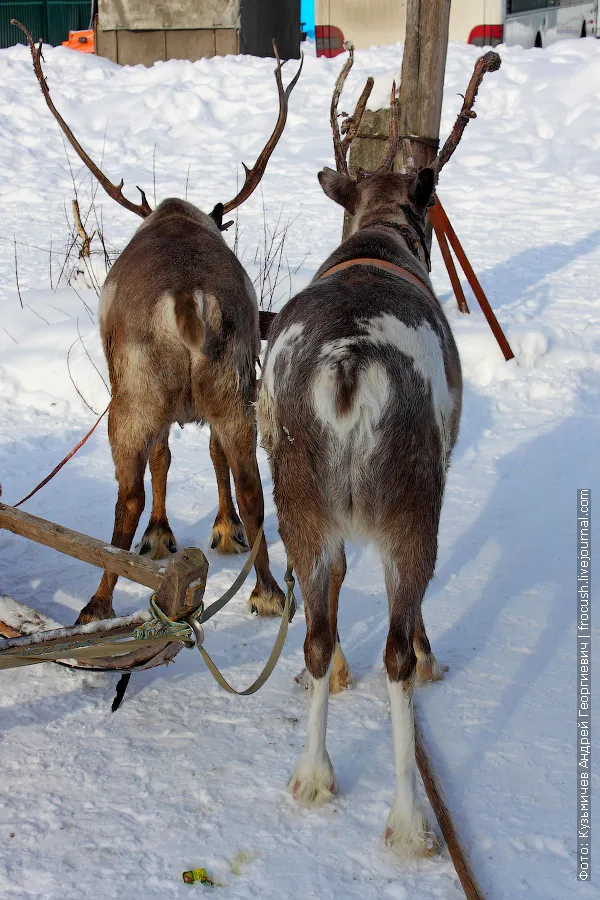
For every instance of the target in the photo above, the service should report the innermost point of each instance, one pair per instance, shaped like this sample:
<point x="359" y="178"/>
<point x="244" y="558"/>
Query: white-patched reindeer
<point x="180" y="329"/>
<point x="359" y="410"/>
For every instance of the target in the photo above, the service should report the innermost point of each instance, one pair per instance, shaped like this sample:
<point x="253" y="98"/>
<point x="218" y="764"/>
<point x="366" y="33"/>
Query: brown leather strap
<point x="381" y="264"/>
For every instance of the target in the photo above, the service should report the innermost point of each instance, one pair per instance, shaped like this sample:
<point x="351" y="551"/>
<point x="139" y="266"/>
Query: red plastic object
<point x="330" y="40"/>
<point x="80" y="40"/>
<point x="486" y="35"/>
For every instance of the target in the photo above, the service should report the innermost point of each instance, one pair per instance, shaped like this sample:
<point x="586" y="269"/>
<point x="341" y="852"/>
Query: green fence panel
<point x="50" y="20"/>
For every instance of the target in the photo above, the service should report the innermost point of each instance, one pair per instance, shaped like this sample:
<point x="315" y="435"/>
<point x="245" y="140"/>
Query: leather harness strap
<point x="380" y="264"/>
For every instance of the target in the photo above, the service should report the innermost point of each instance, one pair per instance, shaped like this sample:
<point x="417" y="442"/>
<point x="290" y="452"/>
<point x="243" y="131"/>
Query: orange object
<point x="81" y="40"/>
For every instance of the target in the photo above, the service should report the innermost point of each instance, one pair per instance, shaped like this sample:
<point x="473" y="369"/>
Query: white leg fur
<point x="313" y="782"/>
<point x="407" y="831"/>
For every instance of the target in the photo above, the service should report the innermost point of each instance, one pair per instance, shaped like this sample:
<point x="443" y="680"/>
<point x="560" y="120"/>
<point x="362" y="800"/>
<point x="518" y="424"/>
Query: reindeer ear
<point x="339" y="188"/>
<point x="423" y="188"/>
<point x="217" y="215"/>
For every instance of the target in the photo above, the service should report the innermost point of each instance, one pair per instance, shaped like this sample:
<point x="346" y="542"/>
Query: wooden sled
<point x="139" y="641"/>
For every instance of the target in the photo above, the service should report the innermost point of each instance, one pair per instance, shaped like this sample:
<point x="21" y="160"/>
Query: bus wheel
<point x="583" y="30"/>
<point x="538" y="40"/>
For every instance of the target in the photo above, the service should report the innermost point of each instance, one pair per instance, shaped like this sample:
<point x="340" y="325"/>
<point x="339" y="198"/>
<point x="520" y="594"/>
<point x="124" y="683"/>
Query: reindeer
<point x="180" y="330"/>
<point x="359" y="410"/>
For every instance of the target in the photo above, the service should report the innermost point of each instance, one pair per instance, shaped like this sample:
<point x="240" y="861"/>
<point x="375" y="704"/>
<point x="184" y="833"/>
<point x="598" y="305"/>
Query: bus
<point x="530" y="23"/>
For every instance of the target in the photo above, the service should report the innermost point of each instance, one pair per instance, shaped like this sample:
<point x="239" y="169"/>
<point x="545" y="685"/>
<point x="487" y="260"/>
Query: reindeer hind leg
<point x="428" y="668"/>
<point x="228" y="533"/>
<point x="158" y="540"/>
<point x="130" y="464"/>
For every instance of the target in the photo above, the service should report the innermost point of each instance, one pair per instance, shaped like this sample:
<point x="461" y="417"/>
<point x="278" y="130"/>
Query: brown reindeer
<point x="359" y="410"/>
<point x="180" y="330"/>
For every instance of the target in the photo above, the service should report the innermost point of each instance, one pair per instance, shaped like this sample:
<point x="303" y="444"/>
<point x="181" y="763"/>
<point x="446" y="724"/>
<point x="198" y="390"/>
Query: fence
<point x="48" y="19"/>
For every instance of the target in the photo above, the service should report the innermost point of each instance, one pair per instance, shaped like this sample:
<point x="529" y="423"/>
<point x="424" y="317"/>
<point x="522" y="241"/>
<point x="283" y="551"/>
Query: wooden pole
<point x="438" y="804"/>
<point x="438" y="213"/>
<point x="421" y="91"/>
<point x="423" y="70"/>
<point x="99" y="553"/>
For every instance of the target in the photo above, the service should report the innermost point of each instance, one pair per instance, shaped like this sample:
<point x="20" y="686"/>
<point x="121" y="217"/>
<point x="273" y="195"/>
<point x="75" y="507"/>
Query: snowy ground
<point x="95" y="805"/>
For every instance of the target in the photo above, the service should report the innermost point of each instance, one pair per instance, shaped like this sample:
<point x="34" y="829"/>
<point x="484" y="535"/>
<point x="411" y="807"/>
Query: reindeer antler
<point x="489" y="62"/>
<point x="350" y="124"/>
<point x="113" y="190"/>
<point x="254" y="175"/>
<point x="388" y="163"/>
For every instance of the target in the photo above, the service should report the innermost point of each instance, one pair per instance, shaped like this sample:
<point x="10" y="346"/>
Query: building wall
<point x="139" y="15"/>
<point x="134" y="31"/>
<point x="371" y="22"/>
<point x="129" y="48"/>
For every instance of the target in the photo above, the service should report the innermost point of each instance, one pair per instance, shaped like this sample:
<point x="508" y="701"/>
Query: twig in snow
<point x="36" y="313"/>
<point x="73" y="380"/>
<point x="187" y="179"/>
<point x="86" y="240"/>
<point x="154" y="172"/>
<point x="91" y="360"/>
<point x="17" y="273"/>
<point x="10" y="335"/>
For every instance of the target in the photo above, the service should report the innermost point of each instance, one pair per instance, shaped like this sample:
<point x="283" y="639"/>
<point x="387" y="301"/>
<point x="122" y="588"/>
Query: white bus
<point x="530" y="23"/>
<point x="537" y="23"/>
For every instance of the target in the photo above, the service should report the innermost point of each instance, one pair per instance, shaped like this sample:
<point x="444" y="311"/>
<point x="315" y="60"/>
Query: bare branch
<point x="350" y="124"/>
<point x="254" y="175"/>
<point x="113" y="190"/>
<point x="489" y="62"/>
<point x="85" y="240"/>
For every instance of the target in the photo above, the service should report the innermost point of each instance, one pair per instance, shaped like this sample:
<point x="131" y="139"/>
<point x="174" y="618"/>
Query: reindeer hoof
<point x="410" y="835"/>
<point x="229" y="536"/>
<point x="267" y="601"/>
<point x="429" y="669"/>
<point x="95" y="611"/>
<point x="340" y="678"/>
<point x="158" y="541"/>
<point x="313" y="785"/>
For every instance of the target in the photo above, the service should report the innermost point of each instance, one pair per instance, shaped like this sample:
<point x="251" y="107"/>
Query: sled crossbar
<point x="88" y="549"/>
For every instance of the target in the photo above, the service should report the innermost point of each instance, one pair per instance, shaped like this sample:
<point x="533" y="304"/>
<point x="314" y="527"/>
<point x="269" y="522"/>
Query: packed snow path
<point x="95" y="805"/>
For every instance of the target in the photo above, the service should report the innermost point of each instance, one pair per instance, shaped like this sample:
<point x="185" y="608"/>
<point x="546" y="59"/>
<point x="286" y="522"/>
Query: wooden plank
<point x="190" y="44"/>
<point x="226" y="41"/>
<point x="145" y="47"/>
<point x="106" y="43"/>
<point x="81" y="546"/>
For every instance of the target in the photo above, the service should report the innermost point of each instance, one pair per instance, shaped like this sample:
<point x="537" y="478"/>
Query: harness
<point x="413" y="243"/>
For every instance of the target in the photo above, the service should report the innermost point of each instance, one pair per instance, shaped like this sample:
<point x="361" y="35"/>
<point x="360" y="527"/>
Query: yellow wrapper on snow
<point x="194" y="875"/>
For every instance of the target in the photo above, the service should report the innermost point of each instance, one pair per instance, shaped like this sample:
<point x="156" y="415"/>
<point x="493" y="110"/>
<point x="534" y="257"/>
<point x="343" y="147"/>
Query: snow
<point x="118" y="806"/>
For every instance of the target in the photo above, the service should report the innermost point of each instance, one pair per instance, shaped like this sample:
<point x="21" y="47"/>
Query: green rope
<point x="160" y="625"/>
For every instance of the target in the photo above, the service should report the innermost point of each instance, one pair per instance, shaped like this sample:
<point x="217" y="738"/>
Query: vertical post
<point x="423" y="69"/>
<point x="421" y="90"/>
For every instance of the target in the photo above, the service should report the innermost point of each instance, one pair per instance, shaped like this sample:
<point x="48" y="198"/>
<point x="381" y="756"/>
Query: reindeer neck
<point x="380" y="240"/>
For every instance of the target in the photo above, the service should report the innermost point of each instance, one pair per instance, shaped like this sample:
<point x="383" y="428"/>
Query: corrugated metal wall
<point x="263" y="20"/>
<point x="50" y="20"/>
